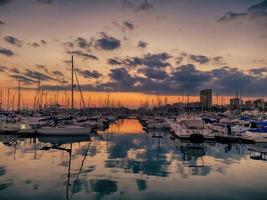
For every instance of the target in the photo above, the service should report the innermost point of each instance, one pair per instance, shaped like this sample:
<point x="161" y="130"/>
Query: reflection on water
<point x="129" y="165"/>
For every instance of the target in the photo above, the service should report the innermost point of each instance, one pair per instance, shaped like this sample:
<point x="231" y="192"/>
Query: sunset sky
<point x="131" y="47"/>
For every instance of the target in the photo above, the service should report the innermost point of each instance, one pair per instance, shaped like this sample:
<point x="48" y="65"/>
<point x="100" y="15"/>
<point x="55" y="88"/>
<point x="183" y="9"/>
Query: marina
<point x="133" y="100"/>
<point x="125" y="162"/>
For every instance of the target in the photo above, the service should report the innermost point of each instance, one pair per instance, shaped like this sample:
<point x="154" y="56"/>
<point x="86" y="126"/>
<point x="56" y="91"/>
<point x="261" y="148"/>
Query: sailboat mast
<point x="19" y="97"/>
<point x="72" y="87"/>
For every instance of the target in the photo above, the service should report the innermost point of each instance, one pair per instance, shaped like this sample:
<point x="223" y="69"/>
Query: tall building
<point x="206" y="99"/>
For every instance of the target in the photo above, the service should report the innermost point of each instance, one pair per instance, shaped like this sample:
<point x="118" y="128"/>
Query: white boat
<point x="191" y="129"/>
<point x="66" y="130"/>
<point x="257" y="137"/>
<point x="9" y="128"/>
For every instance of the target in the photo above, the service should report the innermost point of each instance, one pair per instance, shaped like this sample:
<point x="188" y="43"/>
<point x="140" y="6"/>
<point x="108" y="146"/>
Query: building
<point x="235" y="103"/>
<point x="206" y="99"/>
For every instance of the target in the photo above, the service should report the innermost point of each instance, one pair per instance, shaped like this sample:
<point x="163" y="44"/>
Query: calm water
<point x="126" y="163"/>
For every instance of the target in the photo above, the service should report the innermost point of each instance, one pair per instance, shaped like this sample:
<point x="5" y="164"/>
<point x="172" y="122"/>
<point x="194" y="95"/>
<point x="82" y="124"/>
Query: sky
<point x="173" y="47"/>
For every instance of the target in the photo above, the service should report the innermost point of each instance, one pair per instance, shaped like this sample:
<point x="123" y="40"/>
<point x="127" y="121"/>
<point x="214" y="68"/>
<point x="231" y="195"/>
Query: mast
<point x="19" y="97"/>
<point x="72" y="87"/>
<point x="8" y="93"/>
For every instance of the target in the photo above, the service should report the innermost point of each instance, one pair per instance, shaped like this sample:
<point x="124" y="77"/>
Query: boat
<point x="9" y="128"/>
<point x="64" y="130"/>
<point x="193" y="129"/>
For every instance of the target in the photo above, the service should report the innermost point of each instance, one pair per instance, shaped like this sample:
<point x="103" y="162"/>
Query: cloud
<point x="258" y="71"/>
<point x="128" y="25"/>
<point x="23" y="79"/>
<point x="83" y="55"/>
<point x="57" y="73"/>
<point x="114" y="61"/>
<point x="34" y="44"/>
<point x="157" y="60"/>
<point x="37" y="44"/>
<point x="7" y="52"/>
<point x="231" y="16"/>
<point x="42" y="67"/>
<point x="89" y="74"/>
<point x="107" y="42"/>
<point x="199" y="59"/>
<point x="14" y="70"/>
<point x="37" y="75"/>
<point x="4" y="2"/>
<point x="49" y="2"/>
<point x="153" y="73"/>
<point x="43" y="42"/>
<point x="3" y="68"/>
<point x="84" y="43"/>
<point x="2" y="23"/>
<point x="144" y="5"/>
<point x="257" y="13"/>
<point x="142" y="44"/>
<point x="13" y="40"/>
<point x="183" y="79"/>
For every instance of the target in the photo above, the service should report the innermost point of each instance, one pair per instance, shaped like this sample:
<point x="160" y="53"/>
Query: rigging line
<point x="79" y="88"/>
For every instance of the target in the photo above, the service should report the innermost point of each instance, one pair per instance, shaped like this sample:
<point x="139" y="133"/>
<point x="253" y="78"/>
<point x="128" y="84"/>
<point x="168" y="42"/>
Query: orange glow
<point x="126" y="126"/>
<point x="99" y="99"/>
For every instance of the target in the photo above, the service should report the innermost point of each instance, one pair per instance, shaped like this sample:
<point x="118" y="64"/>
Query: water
<point x="126" y="163"/>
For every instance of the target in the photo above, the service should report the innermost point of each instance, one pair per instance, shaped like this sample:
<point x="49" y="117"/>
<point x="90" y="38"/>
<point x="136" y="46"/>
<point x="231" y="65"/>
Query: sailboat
<point x="66" y="130"/>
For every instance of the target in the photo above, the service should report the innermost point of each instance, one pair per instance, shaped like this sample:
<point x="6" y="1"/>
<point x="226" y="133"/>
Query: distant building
<point x="235" y="103"/>
<point x="259" y="103"/>
<point x="248" y="103"/>
<point x="206" y="99"/>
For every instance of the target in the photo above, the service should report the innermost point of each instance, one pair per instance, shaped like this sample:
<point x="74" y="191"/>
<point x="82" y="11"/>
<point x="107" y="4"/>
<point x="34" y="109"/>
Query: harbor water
<point x="124" y="162"/>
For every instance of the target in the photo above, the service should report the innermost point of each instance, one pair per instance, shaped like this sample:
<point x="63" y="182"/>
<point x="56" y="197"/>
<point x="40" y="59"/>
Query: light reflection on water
<point x="125" y="163"/>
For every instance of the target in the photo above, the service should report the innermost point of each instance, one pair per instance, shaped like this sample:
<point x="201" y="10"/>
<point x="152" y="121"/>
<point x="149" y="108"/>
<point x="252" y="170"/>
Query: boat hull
<point x="64" y="131"/>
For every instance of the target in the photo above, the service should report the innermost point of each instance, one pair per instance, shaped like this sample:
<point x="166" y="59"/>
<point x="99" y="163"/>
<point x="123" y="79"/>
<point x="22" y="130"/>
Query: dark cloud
<point x="199" y="59"/>
<point x="57" y="73"/>
<point x="114" y="61"/>
<point x="142" y="44"/>
<point x="4" y="2"/>
<point x="183" y="79"/>
<point x="128" y="25"/>
<point x="229" y="79"/>
<point x="34" y="44"/>
<point x="83" y="55"/>
<point x="43" y="42"/>
<point x="158" y="60"/>
<point x="137" y="5"/>
<point x="37" y="75"/>
<point x="7" y="52"/>
<point x="231" y="16"/>
<point x="14" y="70"/>
<point x="49" y="2"/>
<point x="2" y="23"/>
<point x="145" y="5"/>
<point x="37" y="44"/>
<point x="84" y="43"/>
<point x="153" y="73"/>
<point x="13" y="40"/>
<point x="107" y="42"/>
<point x="3" y="68"/>
<point x="89" y="74"/>
<point x="257" y="13"/>
<point x="258" y="71"/>
<point x="122" y="78"/>
<point x="23" y="79"/>
<point x="188" y="78"/>
<point x="42" y="67"/>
